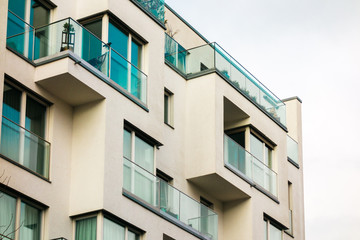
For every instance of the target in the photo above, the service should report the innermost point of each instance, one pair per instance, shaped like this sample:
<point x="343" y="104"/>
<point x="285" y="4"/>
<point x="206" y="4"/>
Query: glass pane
<point x="91" y="46"/>
<point x="292" y="149"/>
<point x="86" y="229"/>
<point x="127" y="145"/>
<point x="166" y="108"/>
<point x="136" y="54"/>
<point x="35" y="117"/>
<point x="268" y="157"/>
<point x="113" y="231"/>
<point x="138" y="84"/>
<point x="200" y="59"/>
<point x="132" y="236"/>
<point x="30" y="221"/>
<point x="17" y="7"/>
<point x="144" y="154"/>
<point x="119" y="40"/>
<point x="39" y="14"/>
<point x="10" y="131"/>
<point x="119" y="70"/>
<point x="275" y="233"/>
<point x="11" y="103"/>
<point x="256" y="147"/>
<point x="169" y="199"/>
<point x="237" y="157"/>
<point x="7" y="216"/>
<point x="265" y="230"/>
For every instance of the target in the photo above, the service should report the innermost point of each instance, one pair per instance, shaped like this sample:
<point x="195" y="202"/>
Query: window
<point x="87" y="228"/>
<point x="290" y="205"/>
<point x="138" y="151"/>
<point x="272" y="232"/>
<point x="261" y="150"/>
<point x="23" y="130"/>
<point x="125" y="68"/>
<point x="263" y="174"/>
<point x="138" y="177"/>
<point x="29" y="224"/>
<point x="168" y="107"/>
<point x="37" y="14"/>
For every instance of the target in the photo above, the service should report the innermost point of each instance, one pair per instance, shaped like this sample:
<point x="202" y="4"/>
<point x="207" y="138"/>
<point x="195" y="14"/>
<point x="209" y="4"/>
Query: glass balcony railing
<point x="292" y="150"/>
<point x="243" y="162"/>
<point x="24" y="147"/>
<point x="68" y="34"/>
<point x="154" y="7"/>
<point x="199" y="60"/>
<point x="158" y="194"/>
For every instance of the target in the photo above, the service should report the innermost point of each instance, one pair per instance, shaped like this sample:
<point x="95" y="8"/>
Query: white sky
<point x="310" y="49"/>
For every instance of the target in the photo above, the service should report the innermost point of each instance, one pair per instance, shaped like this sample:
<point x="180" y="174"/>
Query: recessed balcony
<point x="211" y="58"/>
<point x="243" y="163"/>
<point x="68" y="38"/>
<point x="165" y="200"/>
<point x="292" y="151"/>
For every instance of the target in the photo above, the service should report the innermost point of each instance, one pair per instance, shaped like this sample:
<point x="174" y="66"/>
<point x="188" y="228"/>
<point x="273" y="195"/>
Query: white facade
<point x="121" y="132"/>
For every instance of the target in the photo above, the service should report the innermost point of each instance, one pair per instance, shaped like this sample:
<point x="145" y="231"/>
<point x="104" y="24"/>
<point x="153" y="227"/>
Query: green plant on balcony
<point x="68" y="37"/>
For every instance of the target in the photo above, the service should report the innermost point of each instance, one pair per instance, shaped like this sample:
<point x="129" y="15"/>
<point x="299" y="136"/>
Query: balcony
<point x="292" y="151"/>
<point x="166" y="200"/>
<point x="49" y="42"/>
<point x="24" y="148"/>
<point x="155" y="8"/>
<point x="212" y="58"/>
<point x="249" y="167"/>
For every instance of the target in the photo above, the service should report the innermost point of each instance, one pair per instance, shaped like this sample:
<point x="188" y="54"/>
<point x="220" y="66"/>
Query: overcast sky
<point x="310" y="49"/>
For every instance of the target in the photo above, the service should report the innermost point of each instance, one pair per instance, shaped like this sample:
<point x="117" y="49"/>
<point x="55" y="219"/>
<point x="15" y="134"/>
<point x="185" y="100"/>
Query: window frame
<point x="19" y="199"/>
<point x="265" y="145"/>
<point x="26" y="93"/>
<point x="100" y="217"/>
<point x="169" y="108"/>
<point x="132" y="37"/>
<point x="267" y="223"/>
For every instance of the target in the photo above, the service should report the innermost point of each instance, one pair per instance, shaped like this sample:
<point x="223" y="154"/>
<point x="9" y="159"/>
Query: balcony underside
<point x="219" y="187"/>
<point x="68" y="81"/>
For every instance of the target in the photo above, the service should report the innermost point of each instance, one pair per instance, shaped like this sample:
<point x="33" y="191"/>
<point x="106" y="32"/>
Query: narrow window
<point x="290" y="205"/>
<point x="168" y="107"/>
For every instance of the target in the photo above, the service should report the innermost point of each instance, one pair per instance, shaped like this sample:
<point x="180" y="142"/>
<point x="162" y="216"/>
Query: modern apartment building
<point x="121" y="121"/>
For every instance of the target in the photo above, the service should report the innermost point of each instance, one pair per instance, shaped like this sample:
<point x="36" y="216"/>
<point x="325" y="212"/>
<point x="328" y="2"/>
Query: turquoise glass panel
<point x="119" y="40"/>
<point x="119" y="70"/>
<point x="91" y="45"/>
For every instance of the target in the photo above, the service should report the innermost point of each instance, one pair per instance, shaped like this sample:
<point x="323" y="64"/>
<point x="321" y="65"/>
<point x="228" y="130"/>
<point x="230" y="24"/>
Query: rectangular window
<point x="126" y="59"/>
<point x="290" y="205"/>
<point x="23" y="130"/>
<point x="138" y="178"/>
<point x="262" y="164"/>
<point x="29" y="224"/>
<point x="168" y="107"/>
<point x="87" y="228"/>
<point x="272" y="232"/>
